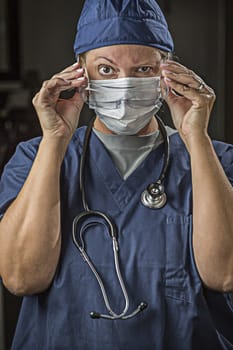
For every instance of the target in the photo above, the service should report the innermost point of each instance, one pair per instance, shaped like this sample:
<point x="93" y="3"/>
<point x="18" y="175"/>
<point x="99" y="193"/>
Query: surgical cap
<point x="113" y="22"/>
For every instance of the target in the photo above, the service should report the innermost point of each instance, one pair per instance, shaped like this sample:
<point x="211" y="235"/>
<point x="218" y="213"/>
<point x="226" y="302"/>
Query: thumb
<point x="78" y="100"/>
<point x="172" y="97"/>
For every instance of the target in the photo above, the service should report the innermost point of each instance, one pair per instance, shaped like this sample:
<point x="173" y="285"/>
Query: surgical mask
<point x="125" y="105"/>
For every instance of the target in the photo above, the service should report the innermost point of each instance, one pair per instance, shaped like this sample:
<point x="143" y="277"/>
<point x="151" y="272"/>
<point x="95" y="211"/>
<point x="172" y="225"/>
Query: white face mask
<point x="125" y="105"/>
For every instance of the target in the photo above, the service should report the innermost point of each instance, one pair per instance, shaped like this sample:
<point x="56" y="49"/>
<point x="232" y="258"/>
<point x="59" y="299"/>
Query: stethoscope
<point x="153" y="197"/>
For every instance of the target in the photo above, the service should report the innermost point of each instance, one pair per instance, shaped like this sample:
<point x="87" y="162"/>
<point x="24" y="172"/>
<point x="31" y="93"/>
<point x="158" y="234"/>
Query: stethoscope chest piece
<point x="154" y="196"/>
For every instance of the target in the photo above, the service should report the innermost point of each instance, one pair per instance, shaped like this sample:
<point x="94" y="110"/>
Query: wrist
<point x="196" y="140"/>
<point x="54" y="147"/>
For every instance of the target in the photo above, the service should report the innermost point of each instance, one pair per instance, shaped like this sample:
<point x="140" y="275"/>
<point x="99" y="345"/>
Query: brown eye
<point x="145" y="69"/>
<point x="106" y="70"/>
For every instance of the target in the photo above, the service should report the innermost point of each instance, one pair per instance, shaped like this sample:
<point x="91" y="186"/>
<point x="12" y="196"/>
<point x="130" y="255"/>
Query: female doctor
<point x="172" y="267"/>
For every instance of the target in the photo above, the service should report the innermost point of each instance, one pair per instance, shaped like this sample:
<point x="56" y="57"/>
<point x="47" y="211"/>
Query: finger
<point x="175" y="67"/>
<point x="189" y="80"/>
<point x="69" y="75"/>
<point x="74" y="66"/>
<point x="58" y="84"/>
<point x="197" y="97"/>
<point x="50" y="91"/>
<point x="77" y="99"/>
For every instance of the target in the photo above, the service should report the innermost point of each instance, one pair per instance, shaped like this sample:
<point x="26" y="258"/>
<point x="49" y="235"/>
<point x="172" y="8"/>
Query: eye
<point x="145" y="69"/>
<point x="105" y="70"/>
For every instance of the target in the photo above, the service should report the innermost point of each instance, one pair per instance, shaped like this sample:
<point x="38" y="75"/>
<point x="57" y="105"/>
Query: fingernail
<point x="80" y="70"/>
<point x="167" y="71"/>
<point x="167" y="79"/>
<point x="67" y="81"/>
<point x="81" y="78"/>
<point x="76" y="63"/>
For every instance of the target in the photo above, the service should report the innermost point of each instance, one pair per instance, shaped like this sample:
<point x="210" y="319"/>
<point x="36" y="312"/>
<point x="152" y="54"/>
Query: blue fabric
<point x="156" y="256"/>
<point x="113" y="22"/>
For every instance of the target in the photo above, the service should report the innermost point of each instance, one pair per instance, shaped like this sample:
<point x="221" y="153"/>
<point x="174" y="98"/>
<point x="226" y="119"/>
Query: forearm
<point x="30" y="229"/>
<point x="212" y="216"/>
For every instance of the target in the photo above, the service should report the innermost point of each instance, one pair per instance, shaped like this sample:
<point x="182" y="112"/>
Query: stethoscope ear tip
<point x="95" y="315"/>
<point x="142" y="306"/>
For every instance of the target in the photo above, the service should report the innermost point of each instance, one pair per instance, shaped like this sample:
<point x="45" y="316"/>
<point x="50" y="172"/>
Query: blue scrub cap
<point x="112" y="22"/>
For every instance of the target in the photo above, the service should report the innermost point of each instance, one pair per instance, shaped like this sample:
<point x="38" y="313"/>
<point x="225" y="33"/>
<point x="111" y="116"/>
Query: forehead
<point x="132" y="54"/>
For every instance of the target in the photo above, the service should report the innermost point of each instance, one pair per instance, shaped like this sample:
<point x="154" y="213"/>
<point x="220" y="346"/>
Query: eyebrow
<point x="105" y="58"/>
<point x="136" y="65"/>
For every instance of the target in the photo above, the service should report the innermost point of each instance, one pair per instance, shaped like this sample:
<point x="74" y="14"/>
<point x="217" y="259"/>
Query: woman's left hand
<point x="192" y="105"/>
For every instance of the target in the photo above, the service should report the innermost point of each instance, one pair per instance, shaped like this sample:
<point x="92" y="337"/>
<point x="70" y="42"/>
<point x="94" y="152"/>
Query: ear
<point x="81" y="60"/>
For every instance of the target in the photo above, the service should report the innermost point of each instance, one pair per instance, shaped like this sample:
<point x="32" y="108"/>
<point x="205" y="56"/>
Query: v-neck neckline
<point x="128" y="152"/>
<point x="121" y="189"/>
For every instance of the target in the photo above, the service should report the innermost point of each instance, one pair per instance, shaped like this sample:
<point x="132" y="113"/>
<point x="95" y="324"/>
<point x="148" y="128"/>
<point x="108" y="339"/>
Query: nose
<point x="124" y="73"/>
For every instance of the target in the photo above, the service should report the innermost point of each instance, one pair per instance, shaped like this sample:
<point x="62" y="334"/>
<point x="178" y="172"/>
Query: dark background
<point x="41" y="34"/>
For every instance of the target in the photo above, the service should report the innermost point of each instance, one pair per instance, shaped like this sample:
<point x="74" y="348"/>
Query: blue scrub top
<point x="156" y="258"/>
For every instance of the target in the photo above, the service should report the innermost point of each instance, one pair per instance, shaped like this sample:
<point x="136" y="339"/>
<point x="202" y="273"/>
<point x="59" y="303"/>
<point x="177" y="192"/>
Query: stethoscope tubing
<point x="81" y="247"/>
<point x="153" y="202"/>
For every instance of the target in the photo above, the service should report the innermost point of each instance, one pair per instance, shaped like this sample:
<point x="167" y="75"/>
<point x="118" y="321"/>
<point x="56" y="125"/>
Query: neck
<point x="148" y="129"/>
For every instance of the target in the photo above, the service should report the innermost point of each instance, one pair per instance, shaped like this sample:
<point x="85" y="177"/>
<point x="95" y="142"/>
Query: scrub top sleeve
<point x="225" y="154"/>
<point x="15" y="173"/>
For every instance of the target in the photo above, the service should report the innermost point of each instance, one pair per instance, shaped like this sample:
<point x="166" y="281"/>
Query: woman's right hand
<point x="59" y="117"/>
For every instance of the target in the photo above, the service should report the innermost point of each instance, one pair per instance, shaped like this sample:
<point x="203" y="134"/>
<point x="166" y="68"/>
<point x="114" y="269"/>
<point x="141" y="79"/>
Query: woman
<point x="176" y="261"/>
